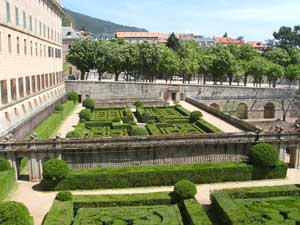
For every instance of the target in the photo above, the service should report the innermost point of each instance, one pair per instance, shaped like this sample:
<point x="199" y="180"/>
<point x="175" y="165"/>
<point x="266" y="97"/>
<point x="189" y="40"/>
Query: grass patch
<point x="7" y="183"/>
<point x="61" y="213"/>
<point x="49" y="127"/>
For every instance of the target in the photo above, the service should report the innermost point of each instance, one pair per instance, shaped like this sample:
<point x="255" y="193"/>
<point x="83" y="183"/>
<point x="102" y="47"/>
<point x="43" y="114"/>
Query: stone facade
<point x="31" y="77"/>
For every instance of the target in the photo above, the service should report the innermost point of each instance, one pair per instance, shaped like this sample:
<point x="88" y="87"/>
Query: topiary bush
<point x="14" y="213"/>
<point x="73" y="134"/>
<point x="59" y="108"/>
<point x="4" y="165"/>
<point x="73" y="96"/>
<point x="138" y="131"/>
<point x="185" y="189"/>
<point x="138" y="104"/>
<point x="264" y="155"/>
<point x="89" y="104"/>
<point x="55" y="169"/>
<point x="64" y="196"/>
<point x="85" y="115"/>
<point x="195" y="116"/>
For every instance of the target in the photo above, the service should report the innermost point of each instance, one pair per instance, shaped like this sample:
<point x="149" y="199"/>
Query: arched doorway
<point x="269" y="111"/>
<point x="215" y="106"/>
<point x="242" y="111"/>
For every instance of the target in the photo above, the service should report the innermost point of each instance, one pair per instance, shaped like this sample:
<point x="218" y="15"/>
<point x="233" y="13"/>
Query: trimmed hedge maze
<point x="136" y="209"/>
<point x="172" y="120"/>
<point x="253" y="206"/>
<point x="116" y="122"/>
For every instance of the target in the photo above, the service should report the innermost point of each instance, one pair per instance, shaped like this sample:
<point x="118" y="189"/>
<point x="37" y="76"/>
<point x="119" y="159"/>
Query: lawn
<point x="134" y="215"/>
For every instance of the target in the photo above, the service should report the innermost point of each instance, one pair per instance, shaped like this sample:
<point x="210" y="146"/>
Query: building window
<point x="38" y="82"/>
<point x="8" y="18"/>
<point x="43" y="81"/>
<point x="28" y="85"/>
<point x="21" y="87"/>
<point x="24" y="109"/>
<point x="30" y="23"/>
<point x="9" y="43"/>
<point x="40" y="28"/>
<point x="16" y="112"/>
<point x="18" y="45"/>
<point x="7" y="116"/>
<point x="41" y="50"/>
<point x="17" y="16"/>
<point x="31" y="50"/>
<point x="0" y="42"/>
<point x="24" y="20"/>
<point x="25" y="47"/>
<point x="30" y="105"/>
<point x="4" y="97"/>
<point x="47" y="80"/>
<point x="33" y="84"/>
<point x="36" y="49"/>
<point x="13" y="89"/>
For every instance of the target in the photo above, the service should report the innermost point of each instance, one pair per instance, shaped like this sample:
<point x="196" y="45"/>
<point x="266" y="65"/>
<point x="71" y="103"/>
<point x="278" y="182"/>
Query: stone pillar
<point x="14" y="163"/>
<point x="295" y="157"/>
<point x="34" y="166"/>
<point x="282" y="151"/>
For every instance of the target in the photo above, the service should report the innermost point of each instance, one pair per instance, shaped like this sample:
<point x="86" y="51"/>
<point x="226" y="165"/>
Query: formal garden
<point x="116" y="122"/>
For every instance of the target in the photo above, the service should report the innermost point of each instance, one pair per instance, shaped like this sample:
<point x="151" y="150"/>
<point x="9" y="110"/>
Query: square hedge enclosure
<point x="136" y="209"/>
<point x="258" y="206"/>
<point x="112" y="122"/>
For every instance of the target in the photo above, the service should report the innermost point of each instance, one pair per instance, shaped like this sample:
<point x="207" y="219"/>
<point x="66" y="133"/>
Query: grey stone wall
<point x="228" y="98"/>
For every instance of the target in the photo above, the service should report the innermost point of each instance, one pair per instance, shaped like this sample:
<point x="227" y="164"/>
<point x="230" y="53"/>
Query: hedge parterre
<point x="146" y="209"/>
<point x="263" y="205"/>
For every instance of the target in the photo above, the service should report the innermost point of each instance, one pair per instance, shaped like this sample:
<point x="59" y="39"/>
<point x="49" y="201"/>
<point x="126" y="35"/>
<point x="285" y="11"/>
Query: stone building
<point x="31" y="73"/>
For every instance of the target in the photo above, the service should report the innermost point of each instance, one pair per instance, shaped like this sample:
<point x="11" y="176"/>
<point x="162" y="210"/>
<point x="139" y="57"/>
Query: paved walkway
<point x="39" y="203"/>
<point x="71" y="121"/>
<point x="221" y="124"/>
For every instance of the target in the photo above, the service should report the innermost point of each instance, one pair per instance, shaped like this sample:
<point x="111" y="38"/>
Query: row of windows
<point x="33" y="25"/>
<point x="31" y="104"/>
<point x="34" y="48"/>
<point x="28" y="86"/>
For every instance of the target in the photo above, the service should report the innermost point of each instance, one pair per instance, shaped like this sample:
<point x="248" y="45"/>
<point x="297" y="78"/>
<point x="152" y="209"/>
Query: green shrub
<point x="85" y="115"/>
<point x="89" y="104"/>
<point x="55" y="169"/>
<point x="264" y="155"/>
<point x="195" y="116"/>
<point x="7" y="183"/>
<point x="61" y="213"/>
<point x="138" y="104"/>
<point x="73" y="96"/>
<point x="64" y="196"/>
<point x="59" y="108"/>
<point x="193" y="213"/>
<point x="74" y="134"/>
<point x="207" y="127"/>
<point x="185" y="189"/>
<point x="4" y="165"/>
<point x="138" y="131"/>
<point x="14" y="213"/>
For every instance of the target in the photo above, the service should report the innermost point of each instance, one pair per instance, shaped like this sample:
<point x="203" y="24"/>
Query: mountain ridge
<point x="80" y="21"/>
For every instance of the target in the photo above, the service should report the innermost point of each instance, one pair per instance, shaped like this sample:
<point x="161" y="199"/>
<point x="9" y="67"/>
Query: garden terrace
<point x="264" y="205"/>
<point x="147" y="209"/>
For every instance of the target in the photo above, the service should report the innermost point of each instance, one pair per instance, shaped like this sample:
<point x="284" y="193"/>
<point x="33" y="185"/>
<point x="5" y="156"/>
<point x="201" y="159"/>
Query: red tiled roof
<point x="228" y="40"/>
<point x="257" y="44"/>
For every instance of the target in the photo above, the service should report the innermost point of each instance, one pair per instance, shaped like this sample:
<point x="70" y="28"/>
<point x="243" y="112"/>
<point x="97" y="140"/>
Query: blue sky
<point x="255" y="19"/>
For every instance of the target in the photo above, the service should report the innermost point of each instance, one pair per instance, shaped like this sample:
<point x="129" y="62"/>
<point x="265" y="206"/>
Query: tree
<point x="258" y="69"/>
<point x="101" y="59"/>
<point x="247" y="52"/>
<point x="55" y="169"/>
<point x="205" y="59"/>
<point x="173" y="42"/>
<point x="240" y="38"/>
<point x="292" y="73"/>
<point x="294" y="54"/>
<point x="279" y="56"/>
<point x="221" y="63"/>
<point x="225" y="35"/>
<point x="82" y="55"/>
<point x="274" y="72"/>
<point x="287" y="37"/>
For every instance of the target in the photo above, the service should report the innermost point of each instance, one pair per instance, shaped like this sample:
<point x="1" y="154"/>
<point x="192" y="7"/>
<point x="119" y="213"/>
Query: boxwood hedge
<point x="166" y="175"/>
<point x="61" y="213"/>
<point x="7" y="183"/>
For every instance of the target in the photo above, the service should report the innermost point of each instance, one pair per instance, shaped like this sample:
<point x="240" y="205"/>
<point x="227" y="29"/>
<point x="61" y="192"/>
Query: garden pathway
<point x="39" y="203"/>
<point x="71" y="121"/>
<point x="221" y="124"/>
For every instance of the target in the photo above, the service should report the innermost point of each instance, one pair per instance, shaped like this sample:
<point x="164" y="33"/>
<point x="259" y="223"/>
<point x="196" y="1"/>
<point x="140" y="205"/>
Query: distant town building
<point x="258" y="45"/>
<point x="138" y="37"/>
<point x="205" y="41"/>
<point x="69" y="36"/>
<point x="186" y="36"/>
<point x="104" y="36"/>
<point x="227" y="40"/>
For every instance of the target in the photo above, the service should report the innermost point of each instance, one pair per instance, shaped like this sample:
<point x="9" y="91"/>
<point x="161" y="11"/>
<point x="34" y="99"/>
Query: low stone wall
<point x="229" y="119"/>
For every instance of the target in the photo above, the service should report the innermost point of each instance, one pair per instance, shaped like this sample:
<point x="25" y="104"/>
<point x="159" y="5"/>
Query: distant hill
<point x="94" y="25"/>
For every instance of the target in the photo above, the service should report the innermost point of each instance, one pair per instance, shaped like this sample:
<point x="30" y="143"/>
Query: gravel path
<point x="71" y="121"/>
<point x="39" y="203"/>
<point x="221" y="124"/>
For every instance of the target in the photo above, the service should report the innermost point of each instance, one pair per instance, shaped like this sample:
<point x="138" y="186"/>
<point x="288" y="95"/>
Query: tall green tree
<point x="292" y="73"/>
<point x="82" y="55"/>
<point x="288" y="37"/>
<point x="101" y="57"/>
<point x="274" y="72"/>
<point x="173" y="42"/>
<point x="258" y="69"/>
<point x="168" y="63"/>
<point x="279" y="56"/>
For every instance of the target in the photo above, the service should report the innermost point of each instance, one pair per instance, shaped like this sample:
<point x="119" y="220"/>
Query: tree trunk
<point x="230" y="80"/>
<point x="117" y="76"/>
<point x="82" y="75"/>
<point x="245" y="81"/>
<point x="204" y="79"/>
